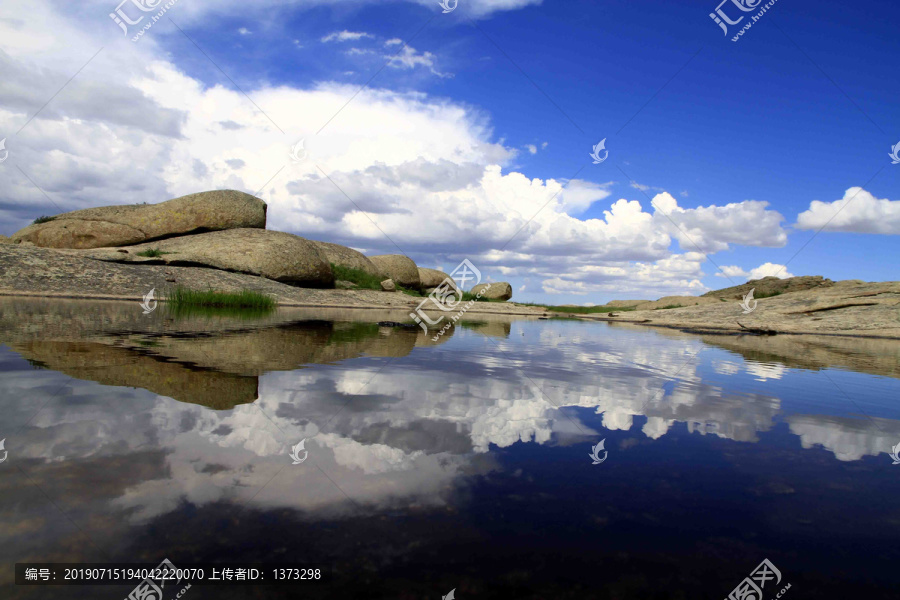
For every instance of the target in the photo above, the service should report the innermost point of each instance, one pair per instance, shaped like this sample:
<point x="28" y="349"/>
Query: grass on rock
<point x="366" y="281"/>
<point x="363" y="280"/>
<point x="182" y="297"/>
<point x="43" y="219"/>
<point x="152" y="253"/>
<point x="668" y="306"/>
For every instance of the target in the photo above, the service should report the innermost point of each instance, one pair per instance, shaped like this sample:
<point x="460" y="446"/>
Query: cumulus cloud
<point x="857" y="212"/>
<point x="712" y="228"/>
<point x="402" y="168"/>
<point x="764" y="270"/>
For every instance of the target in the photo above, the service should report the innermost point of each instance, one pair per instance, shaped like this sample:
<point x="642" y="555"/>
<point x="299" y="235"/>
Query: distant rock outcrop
<point x="5" y="240"/>
<point x="346" y="257"/>
<point x="275" y="255"/>
<point x="625" y="303"/>
<point x="400" y="268"/>
<point x="498" y="290"/>
<point x="676" y="302"/>
<point x="132" y="224"/>
<point x="770" y="286"/>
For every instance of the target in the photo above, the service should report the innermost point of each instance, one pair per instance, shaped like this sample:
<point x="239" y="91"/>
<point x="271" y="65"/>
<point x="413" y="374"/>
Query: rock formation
<point x="132" y="224"/>
<point x="275" y="255"/>
<point x="399" y="268"/>
<point x="499" y="290"/>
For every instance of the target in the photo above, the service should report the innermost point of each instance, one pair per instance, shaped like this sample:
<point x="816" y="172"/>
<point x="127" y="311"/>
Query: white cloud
<point x="244" y="31"/>
<point x="764" y="270"/>
<point x="644" y="188"/>
<point x="857" y="212"/>
<point x="531" y="148"/>
<point x="343" y="36"/>
<point x="770" y="270"/>
<point x="712" y="228"/>
<point x="408" y="58"/>
<point x="427" y="170"/>
<point x="393" y="42"/>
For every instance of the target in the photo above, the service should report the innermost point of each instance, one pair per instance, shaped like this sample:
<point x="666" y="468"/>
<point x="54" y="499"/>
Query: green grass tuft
<point x="668" y="306"/>
<point x="182" y="297"/>
<point x="768" y="294"/>
<point x="363" y="280"/>
<point x="43" y="219"/>
<point x="152" y="253"/>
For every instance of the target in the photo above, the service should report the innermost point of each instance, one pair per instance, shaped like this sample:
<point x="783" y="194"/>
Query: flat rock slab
<point x="843" y="308"/>
<point x="135" y="223"/>
<point x="274" y="255"/>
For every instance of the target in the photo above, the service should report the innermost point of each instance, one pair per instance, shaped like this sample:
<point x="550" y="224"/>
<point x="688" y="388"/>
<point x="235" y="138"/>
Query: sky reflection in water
<point x="462" y="464"/>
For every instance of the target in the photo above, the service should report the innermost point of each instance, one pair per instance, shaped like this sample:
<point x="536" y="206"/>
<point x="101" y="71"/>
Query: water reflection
<point x="126" y="422"/>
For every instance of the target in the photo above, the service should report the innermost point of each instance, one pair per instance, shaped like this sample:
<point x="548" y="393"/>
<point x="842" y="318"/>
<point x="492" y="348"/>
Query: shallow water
<point x="459" y="464"/>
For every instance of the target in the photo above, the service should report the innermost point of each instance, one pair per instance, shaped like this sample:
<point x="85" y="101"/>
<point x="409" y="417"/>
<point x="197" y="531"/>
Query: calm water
<point x="460" y="464"/>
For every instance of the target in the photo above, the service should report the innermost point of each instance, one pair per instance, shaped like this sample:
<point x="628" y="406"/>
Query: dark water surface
<point x="459" y="464"/>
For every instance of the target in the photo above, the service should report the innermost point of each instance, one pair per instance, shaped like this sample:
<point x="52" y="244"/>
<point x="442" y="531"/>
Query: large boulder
<point x="400" y="268"/>
<point x="135" y="223"/>
<point x="498" y="290"/>
<point x="275" y="255"/>
<point x="432" y="278"/>
<point x="346" y="257"/>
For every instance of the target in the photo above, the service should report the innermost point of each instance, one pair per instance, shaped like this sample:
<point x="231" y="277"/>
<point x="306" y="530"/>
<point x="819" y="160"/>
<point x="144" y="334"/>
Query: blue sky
<point x="800" y="109"/>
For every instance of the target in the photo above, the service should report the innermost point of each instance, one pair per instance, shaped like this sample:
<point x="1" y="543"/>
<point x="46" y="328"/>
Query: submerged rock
<point x="135" y="223"/>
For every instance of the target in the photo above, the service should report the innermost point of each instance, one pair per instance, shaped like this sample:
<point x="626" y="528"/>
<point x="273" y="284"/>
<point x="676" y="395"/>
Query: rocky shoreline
<point x="217" y="240"/>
